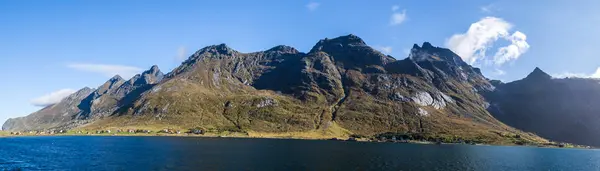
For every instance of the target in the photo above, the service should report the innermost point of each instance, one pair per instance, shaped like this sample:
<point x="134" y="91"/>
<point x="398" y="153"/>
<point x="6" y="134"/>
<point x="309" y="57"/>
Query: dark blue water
<point x="187" y="153"/>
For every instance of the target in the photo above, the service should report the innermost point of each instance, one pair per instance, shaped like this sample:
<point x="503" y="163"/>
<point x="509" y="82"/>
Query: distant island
<point x="341" y="89"/>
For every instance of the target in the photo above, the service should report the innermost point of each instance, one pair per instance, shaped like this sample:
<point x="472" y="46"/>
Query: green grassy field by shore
<point x="337" y="134"/>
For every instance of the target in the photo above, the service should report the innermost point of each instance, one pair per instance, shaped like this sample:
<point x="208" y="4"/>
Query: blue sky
<point x="51" y="48"/>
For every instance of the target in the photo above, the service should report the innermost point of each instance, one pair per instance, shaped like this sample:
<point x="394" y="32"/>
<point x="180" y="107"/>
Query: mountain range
<point x="342" y="87"/>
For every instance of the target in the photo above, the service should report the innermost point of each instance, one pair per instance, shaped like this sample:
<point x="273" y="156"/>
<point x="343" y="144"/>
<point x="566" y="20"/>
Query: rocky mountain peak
<point x="416" y="46"/>
<point x="283" y="49"/>
<point x="427" y="45"/>
<point x="408" y="66"/>
<point x="428" y="52"/>
<point x="84" y="90"/>
<point x="338" y="42"/>
<point x="216" y="49"/>
<point x="112" y="83"/>
<point x="79" y="94"/>
<point x="350" y="39"/>
<point x="117" y="91"/>
<point x="538" y="74"/>
<point x="151" y="76"/>
<point x="154" y="69"/>
<point x="350" y="51"/>
<point x="116" y="78"/>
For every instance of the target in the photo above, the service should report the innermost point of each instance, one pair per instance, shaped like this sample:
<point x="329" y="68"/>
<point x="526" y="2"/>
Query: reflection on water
<point x="187" y="153"/>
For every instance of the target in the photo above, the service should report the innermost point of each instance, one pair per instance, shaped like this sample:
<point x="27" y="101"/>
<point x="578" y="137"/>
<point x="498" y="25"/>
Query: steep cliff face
<point x="564" y="110"/>
<point x="117" y="93"/>
<point x="100" y="101"/>
<point x="414" y="94"/>
<point x="340" y="87"/>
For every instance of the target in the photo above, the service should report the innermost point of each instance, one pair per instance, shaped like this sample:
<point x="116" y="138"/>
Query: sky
<point x="49" y="49"/>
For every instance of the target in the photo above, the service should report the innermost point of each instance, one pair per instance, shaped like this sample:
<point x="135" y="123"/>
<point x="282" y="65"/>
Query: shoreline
<point x="285" y="138"/>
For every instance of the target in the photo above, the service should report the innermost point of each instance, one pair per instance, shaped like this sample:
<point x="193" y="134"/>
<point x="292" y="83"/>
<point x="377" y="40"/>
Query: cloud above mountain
<point x="490" y="8"/>
<point x="398" y="17"/>
<point x="312" y="6"/>
<point x="51" y="98"/>
<point x="513" y="51"/>
<point x="181" y="53"/>
<point x="596" y="74"/>
<point x="481" y="36"/>
<point x="385" y="49"/>
<point x="107" y="70"/>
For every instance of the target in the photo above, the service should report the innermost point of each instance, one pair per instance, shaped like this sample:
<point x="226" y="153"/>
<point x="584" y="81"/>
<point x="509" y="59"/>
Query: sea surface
<point x="194" y="153"/>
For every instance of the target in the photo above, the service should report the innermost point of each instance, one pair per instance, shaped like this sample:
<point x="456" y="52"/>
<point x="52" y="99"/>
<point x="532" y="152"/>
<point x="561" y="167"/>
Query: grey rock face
<point x="97" y="102"/>
<point x="438" y="101"/>
<point x="423" y="99"/>
<point x="147" y="78"/>
<point x="399" y="98"/>
<point x="109" y="85"/>
<point x="422" y="112"/>
<point x="429" y="53"/>
<point x="116" y="93"/>
<point x="266" y="102"/>
<point x="151" y="76"/>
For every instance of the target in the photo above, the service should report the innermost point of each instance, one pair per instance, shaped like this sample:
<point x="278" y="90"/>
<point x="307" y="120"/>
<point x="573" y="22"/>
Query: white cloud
<point x="52" y="98"/>
<point x="596" y="74"/>
<point x="385" y="49"/>
<point x="517" y="47"/>
<point x="107" y="70"/>
<point x="395" y="8"/>
<point x="398" y="17"/>
<point x="570" y="75"/>
<point x="181" y="54"/>
<point x="313" y="6"/>
<point x="488" y="8"/>
<point x="578" y="75"/>
<point x="499" y="72"/>
<point x="485" y="9"/>
<point x="481" y="35"/>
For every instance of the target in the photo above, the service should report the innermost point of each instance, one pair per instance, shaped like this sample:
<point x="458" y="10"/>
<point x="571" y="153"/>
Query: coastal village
<point x="166" y="131"/>
<point x="386" y="137"/>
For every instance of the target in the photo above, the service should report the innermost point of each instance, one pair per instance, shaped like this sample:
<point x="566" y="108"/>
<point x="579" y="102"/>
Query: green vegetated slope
<point x="340" y="88"/>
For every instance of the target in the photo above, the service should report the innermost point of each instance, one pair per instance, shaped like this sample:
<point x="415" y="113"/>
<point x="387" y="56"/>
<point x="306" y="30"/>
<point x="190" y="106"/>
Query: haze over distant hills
<point x="341" y="87"/>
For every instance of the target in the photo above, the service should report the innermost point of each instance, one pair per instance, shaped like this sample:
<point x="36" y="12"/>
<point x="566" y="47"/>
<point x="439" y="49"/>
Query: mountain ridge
<point x="341" y="87"/>
<point x="560" y="109"/>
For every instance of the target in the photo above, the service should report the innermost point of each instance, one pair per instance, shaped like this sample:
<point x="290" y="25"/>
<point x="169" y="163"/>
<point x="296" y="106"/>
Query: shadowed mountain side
<point x="342" y="87"/>
<point x="563" y="110"/>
